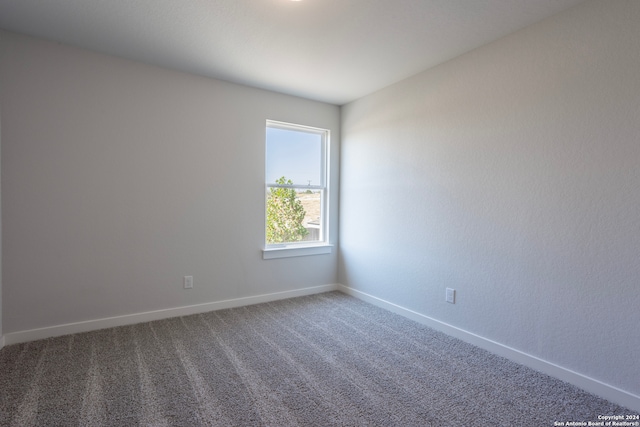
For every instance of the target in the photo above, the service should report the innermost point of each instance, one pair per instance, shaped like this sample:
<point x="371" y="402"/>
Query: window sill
<point x="293" y="251"/>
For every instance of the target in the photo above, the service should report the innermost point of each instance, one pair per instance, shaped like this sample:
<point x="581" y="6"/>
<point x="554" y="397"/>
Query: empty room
<point x="320" y="213"/>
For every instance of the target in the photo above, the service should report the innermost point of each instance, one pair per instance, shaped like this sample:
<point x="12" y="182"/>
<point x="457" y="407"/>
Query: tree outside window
<point x="285" y="214"/>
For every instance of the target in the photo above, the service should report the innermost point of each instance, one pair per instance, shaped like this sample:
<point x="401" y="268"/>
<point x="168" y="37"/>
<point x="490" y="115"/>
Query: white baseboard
<point x="606" y="391"/>
<point x="130" y="319"/>
<point x="1" y="341"/>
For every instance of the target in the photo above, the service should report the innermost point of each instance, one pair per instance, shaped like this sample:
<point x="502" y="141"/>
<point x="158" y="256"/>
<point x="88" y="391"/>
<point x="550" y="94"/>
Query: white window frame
<point x="322" y="245"/>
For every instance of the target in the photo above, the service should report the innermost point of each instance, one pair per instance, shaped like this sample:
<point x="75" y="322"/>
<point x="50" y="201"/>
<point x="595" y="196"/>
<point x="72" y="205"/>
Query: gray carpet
<point x="322" y="360"/>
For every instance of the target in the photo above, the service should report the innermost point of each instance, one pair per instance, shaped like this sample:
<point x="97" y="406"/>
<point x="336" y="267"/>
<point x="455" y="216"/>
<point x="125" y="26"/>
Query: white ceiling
<point x="329" y="50"/>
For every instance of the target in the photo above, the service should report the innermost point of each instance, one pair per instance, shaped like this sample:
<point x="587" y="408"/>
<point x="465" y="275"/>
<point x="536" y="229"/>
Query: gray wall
<point x="121" y="178"/>
<point x="1" y="333"/>
<point x="512" y="175"/>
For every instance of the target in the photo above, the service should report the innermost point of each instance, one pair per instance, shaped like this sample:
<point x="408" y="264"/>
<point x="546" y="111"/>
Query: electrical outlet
<point x="451" y="295"/>
<point x="187" y="282"/>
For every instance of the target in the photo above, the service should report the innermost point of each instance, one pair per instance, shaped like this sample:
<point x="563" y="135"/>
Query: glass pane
<point x="293" y="215"/>
<point x="312" y="203"/>
<point x="294" y="155"/>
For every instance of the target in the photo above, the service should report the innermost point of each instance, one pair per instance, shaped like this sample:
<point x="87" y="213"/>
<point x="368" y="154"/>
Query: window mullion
<point x="297" y="187"/>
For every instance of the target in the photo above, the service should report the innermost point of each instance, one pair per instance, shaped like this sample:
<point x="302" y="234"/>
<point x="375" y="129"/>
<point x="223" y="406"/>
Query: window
<point x="296" y="189"/>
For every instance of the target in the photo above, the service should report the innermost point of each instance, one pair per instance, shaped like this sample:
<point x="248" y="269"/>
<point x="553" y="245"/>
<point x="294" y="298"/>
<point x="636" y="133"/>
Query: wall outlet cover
<point x="451" y="295"/>
<point x="187" y="282"/>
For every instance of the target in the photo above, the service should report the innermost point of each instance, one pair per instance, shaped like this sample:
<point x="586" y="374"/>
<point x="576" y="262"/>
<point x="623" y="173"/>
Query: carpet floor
<point x="321" y="360"/>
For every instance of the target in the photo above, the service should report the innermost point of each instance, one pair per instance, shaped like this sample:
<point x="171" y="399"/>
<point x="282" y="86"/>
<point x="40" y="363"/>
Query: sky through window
<point x="295" y="155"/>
